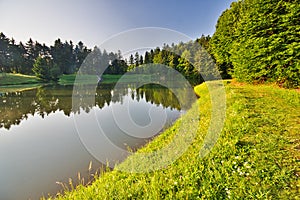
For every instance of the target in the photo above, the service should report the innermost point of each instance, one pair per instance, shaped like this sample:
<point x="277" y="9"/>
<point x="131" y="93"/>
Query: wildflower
<point x="227" y="191"/>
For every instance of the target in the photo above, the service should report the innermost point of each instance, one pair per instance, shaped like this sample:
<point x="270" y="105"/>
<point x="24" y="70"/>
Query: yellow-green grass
<point x="17" y="79"/>
<point x="256" y="156"/>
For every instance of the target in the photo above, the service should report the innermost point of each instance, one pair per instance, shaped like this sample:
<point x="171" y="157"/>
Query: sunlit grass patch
<point x="17" y="79"/>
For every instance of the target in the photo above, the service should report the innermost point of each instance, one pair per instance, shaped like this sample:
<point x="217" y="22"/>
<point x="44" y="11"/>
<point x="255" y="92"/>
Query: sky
<point x="94" y="21"/>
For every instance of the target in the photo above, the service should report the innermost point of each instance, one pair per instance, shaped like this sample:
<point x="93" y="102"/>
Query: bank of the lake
<point x="87" y="79"/>
<point x="256" y="156"/>
<point x="17" y="79"/>
<point x="105" y="78"/>
<point x="13" y="80"/>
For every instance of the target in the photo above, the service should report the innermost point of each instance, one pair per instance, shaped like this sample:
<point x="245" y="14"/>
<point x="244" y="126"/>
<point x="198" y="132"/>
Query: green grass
<point x="70" y="79"/>
<point x="87" y="79"/>
<point x="256" y="156"/>
<point x="17" y="79"/>
<point x="18" y="88"/>
<point x="92" y="79"/>
<point x="9" y="79"/>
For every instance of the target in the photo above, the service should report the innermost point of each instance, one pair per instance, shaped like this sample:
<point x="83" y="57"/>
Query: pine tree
<point x="45" y="69"/>
<point x="136" y="59"/>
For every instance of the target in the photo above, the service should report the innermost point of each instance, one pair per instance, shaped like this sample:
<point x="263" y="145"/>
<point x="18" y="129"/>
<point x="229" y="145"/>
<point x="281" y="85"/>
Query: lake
<point x="45" y="140"/>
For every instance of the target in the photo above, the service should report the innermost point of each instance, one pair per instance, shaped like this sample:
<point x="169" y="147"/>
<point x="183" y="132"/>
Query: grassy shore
<point x="17" y="79"/>
<point x="87" y="79"/>
<point x="106" y="78"/>
<point x="18" y="88"/>
<point x="256" y="156"/>
<point x="10" y="79"/>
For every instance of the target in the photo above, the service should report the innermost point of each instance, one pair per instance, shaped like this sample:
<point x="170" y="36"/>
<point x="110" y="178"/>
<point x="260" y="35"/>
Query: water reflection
<point x="39" y="144"/>
<point x="17" y="106"/>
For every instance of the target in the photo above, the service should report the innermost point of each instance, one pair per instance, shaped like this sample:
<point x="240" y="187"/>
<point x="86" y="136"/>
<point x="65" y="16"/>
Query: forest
<point x="48" y="63"/>
<point x="255" y="41"/>
<point x="258" y="41"/>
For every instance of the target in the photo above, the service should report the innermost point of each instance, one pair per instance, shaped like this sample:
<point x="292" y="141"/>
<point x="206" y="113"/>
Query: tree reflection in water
<point x="17" y="106"/>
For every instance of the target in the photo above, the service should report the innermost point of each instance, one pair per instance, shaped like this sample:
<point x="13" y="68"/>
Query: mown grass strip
<point x="256" y="156"/>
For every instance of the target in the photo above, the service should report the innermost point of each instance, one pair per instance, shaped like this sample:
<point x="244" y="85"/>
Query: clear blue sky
<point x="93" y="21"/>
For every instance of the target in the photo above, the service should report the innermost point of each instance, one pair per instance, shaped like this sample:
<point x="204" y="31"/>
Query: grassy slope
<point x="17" y="79"/>
<point x="256" y="157"/>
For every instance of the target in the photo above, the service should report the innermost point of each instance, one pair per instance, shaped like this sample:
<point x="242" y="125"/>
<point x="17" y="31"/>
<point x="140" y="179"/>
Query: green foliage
<point x="259" y="41"/>
<point x="267" y="48"/>
<point x="44" y="69"/>
<point x="19" y="58"/>
<point x="55" y="73"/>
<point x="66" y="58"/>
<point x="221" y="42"/>
<point x="186" y="58"/>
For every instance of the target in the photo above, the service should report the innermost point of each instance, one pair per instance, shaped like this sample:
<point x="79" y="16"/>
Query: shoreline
<point x="253" y="152"/>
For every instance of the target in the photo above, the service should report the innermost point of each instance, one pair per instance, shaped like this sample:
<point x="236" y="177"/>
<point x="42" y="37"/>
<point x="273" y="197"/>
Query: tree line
<point x="48" y="63"/>
<point x="191" y="59"/>
<point x="255" y="41"/>
<point x="36" y="58"/>
<point x="258" y="41"/>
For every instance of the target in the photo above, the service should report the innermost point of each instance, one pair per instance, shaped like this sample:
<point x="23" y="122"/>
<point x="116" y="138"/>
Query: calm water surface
<point x="39" y="142"/>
